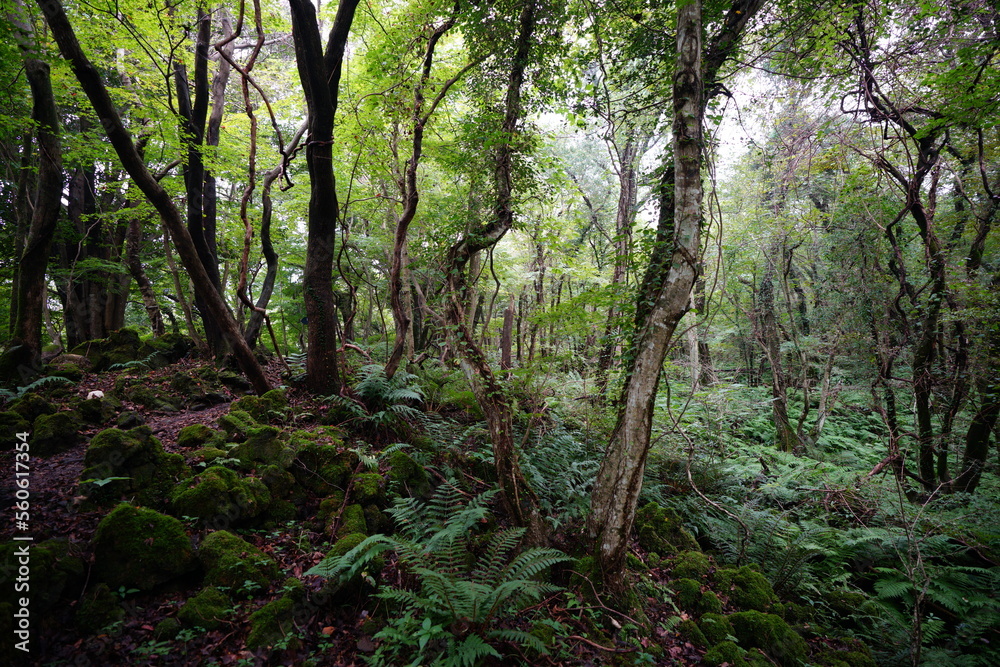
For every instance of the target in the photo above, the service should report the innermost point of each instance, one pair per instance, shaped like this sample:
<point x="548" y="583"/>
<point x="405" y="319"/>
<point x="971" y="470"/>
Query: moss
<point x="172" y="346"/>
<point x="715" y="627"/>
<point x="153" y="400"/>
<point x="832" y="658"/>
<point x="166" y="629"/>
<point x="771" y="634"/>
<point x="585" y="574"/>
<point x="98" y="411"/>
<point x="140" y="548"/>
<point x="687" y="592"/>
<point x="323" y="469"/>
<point x="263" y="446"/>
<point x="747" y="589"/>
<point x="691" y="564"/>
<point x="345" y="544"/>
<point x="206" y="610"/>
<point x="329" y="506"/>
<point x="281" y="511"/>
<point x="11" y="424"/>
<point x="660" y="530"/>
<point x="234" y="381"/>
<point x="219" y="496"/>
<point x="271" y="624"/>
<point x="725" y="653"/>
<point x="149" y="472"/>
<point x="279" y="482"/>
<point x="129" y="419"/>
<point x="263" y="408"/>
<point x="845" y="603"/>
<point x="367" y="487"/>
<point x="209" y="454"/>
<point x="351" y="521"/>
<point x="407" y="476"/>
<point x="688" y="628"/>
<point x="57" y="570"/>
<point x="52" y="434"/>
<point x="99" y="609"/>
<point x="709" y="603"/>
<point x="197" y="435"/>
<point x="376" y="520"/>
<point x="234" y="563"/>
<point x="31" y="406"/>
<point x="237" y="424"/>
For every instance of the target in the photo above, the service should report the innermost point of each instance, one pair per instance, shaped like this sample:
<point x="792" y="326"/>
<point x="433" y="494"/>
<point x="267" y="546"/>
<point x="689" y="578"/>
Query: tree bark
<point x="34" y="260"/>
<point x="134" y="264"/>
<point x="666" y="290"/>
<point x="121" y="141"/>
<point x="319" y="73"/>
<point x="519" y="500"/>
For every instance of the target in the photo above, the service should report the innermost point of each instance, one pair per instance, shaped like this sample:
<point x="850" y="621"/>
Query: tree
<point x="665" y="294"/>
<point x="319" y="72"/>
<point x="121" y="140"/>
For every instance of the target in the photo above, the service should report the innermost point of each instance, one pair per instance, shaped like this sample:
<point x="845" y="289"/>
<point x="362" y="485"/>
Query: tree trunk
<point x="665" y="293"/>
<point x="132" y="244"/>
<point x="785" y="438"/>
<point x="34" y="260"/>
<point x="519" y="500"/>
<point x="319" y="73"/>
<point x="121" y="140"/>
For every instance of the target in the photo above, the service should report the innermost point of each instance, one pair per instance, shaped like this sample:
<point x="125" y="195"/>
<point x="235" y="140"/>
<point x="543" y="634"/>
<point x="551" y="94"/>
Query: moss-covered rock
<point x="70" y="366"/>
<point x="209" y="454"/>
<point x="687" y="592"/>
<point x="352" y="520"/>
<point x="725" y="653"/>
<point x="771" y="634"/>
<point x="207" y="609"/>
<point x="99" y="609"/>
<point x="31" y="406"/>
<point x="56" y="569"/>
<point x="691" y="564"/>
<point x="345" y="544"/>
<point x="235" y="564"/>
<point x="279" y="482"/>
<point x="52" y="434"/>
<point x="263" y="446"/>
<point x="172" y="346"/>
<point x="747" y="589"/>
<point x="197" y="435"/>
<point x="148" y="472"/>
<point x="152" y="399"/>
<point x="709" y="603"/>
<point x="129" y="419"/>
<point x="323" y="469"/>
<point x="689" y="629"/>
<point x="140" y="548"/>
<point x="11" y="424"/>
<point x="328" y="507"/>
<point x="366" y="487"/>
<point x="166" y="630"/>
<point x="98" y="411"/>
<point x="272" y="624"/>
<point x="407" y="477"/>
<point x="376" y="519"/>
<point x="858" y="657"/>
<point x="265" y="408"/>
<point x="715" y="627"/>
<point x="219" y="497"/>
<point x="234" y="381"/>
<point x="120" y="347"/>
<point x="661" y="530"/>
<point x="237" y="425"/>
<point x="19" y="365"/>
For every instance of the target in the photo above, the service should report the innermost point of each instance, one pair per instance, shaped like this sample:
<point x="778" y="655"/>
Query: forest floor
<point x="342" y="633"/>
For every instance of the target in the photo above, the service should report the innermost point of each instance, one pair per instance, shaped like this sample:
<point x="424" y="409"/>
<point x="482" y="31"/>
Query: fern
<point x="37" y="384"/>
<point x="146" y="362"/>
<point x="435" y="542"/>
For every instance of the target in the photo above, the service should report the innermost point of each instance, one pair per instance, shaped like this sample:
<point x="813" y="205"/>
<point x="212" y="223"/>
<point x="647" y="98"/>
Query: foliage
<point x="464" y="591"/>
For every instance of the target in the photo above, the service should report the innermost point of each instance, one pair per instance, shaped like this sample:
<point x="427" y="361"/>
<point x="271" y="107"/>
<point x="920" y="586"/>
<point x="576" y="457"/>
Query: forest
<point x="468" y="332"/>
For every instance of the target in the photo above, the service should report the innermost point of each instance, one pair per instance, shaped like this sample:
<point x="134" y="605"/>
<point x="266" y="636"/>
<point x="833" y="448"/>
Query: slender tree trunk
<point x="121" y="140"/>
<point x="132" y="260"/>
<point x="319" y="73"/>
<point x="518" y="498"/>
<point x="665" y="293"/>
<point x="767" y="331"/>
<point x="34" y="260"/>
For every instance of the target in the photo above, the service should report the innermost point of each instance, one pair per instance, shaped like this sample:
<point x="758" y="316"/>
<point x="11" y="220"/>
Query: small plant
<point x="454" y="615"/>
<point x="8" y="395"/>
<point x="384" y="404"/>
